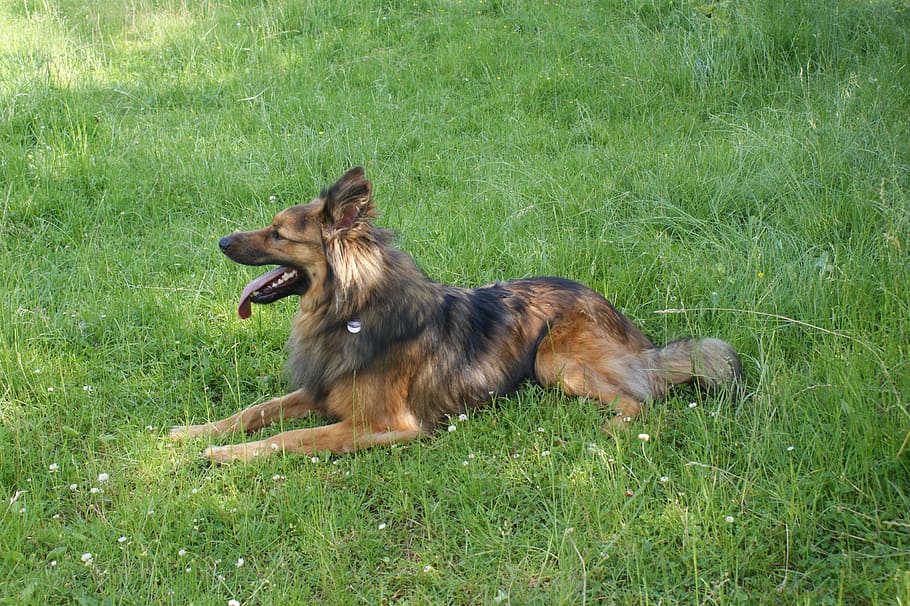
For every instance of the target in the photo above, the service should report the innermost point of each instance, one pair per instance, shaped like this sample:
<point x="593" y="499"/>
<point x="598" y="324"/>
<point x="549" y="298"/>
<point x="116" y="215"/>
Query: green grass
<point x="745" y="162"/>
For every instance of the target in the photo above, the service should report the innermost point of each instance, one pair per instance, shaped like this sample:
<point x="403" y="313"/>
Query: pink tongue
<point x="245" y="309"/>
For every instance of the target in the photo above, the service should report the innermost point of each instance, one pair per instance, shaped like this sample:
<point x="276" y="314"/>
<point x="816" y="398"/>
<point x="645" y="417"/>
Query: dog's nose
<point x="224" y="243"/>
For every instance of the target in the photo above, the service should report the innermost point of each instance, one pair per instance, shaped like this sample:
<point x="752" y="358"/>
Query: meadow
<point x="732" y="169"/>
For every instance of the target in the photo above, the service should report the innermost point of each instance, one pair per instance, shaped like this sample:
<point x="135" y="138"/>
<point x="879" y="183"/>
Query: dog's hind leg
<point x="586" y="361"/>
<point x="578" y="379"/>
<point x="291" y="406"/>
<point x="340" y="437"/>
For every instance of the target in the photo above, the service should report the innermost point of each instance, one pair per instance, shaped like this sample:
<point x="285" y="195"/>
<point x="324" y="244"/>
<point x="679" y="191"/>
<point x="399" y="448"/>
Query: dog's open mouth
<point x="271" y="286"/>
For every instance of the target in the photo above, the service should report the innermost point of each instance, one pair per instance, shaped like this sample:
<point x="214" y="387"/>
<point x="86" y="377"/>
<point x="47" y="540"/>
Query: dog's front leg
<point x="291" y="406"/>
<point x="338" y="438"/>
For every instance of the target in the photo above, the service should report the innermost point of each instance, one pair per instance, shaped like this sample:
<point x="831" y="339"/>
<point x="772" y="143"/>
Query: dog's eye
<point x="275" y="235"/>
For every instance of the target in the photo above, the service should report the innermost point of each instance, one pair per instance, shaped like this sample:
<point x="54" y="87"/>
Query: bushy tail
<point x="711" y="363"/>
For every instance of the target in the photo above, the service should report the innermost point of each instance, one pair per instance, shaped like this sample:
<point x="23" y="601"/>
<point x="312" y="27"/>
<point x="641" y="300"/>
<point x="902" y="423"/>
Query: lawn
<point x="729" y="169"/>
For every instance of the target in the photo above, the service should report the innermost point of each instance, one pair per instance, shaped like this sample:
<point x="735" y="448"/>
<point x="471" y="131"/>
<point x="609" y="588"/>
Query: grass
<point x="741" y="164"/>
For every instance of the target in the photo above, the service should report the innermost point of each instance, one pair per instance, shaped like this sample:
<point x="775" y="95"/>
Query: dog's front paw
<point x="235" y="453"/>
<point x="180" y="433"/>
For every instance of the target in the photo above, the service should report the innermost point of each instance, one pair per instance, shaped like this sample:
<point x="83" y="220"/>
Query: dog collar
<point x="354" y="326"/>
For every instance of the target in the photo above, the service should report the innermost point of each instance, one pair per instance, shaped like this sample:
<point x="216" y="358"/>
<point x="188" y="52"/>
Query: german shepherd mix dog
<point x="387" y="352"/>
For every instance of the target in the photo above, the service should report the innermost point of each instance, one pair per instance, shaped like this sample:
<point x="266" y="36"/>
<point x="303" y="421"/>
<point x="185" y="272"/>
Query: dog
<point x="387" y="352"/>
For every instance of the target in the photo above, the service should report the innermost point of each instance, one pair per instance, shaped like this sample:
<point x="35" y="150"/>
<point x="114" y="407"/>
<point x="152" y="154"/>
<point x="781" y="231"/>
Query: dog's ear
<point x="348" y="199"/>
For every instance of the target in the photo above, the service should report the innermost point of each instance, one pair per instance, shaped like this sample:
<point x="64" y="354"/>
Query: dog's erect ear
<point x="348" y="199"/>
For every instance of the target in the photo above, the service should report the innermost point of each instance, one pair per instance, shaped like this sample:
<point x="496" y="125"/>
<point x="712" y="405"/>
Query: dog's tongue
<point x="245" y="309"/>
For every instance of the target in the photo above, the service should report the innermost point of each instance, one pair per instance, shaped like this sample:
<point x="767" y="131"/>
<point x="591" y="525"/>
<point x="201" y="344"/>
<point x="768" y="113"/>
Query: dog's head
<point x="296" y="240"/>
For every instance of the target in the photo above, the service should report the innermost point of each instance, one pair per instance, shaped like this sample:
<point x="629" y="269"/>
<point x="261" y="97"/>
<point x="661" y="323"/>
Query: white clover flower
<point x="545" y="453"/>
<point x="53" y="467"/>
<point x="122" y="540"/>
<point x="729" y="519"/>
<point x="87" y="558"/>
<point x="382" y="526"/>
<point x="644" y="437"/>
<point x="452" y="428"/>
<point x="239" y="563"/>
<point x="74" y="487"/>
<point x="693" y="404"/>
<point x="181" y="553"/>
<point x="233" y="603"/>
<point x="103" y="477"/>
<point x="462" y="417"/>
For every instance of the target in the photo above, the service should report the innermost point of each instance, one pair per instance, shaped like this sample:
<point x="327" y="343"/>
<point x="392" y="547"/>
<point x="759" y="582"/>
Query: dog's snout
<point x="224" y="243"/>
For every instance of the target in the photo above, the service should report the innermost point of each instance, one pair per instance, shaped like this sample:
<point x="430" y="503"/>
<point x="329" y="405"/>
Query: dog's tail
<point x="711" y="363"/>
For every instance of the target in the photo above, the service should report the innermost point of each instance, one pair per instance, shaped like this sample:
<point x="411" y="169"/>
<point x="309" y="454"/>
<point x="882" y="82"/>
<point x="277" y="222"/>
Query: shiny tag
<point x="354" y="326"/>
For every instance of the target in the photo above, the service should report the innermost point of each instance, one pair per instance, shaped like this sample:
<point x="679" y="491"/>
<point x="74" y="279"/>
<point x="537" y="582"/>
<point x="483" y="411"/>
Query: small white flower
<point x="664" y="479"/>
<point x="50" y="390"/>
<point x="194" y="491"/>
<point x="729" y="519"/>
<point x="239" y="563"/>
<point x="234" y="602"/>
<point x="88" y="388"/>
<point x="86" y="558"/>
<point x="545" y="453"/>
<point x="122" y="540"/>
<point x="74" y="487"/>
<point x="693" y="404"/>
<point x="314" y="459"/>
<point x="791" y="448"/>
<point x="181" y="553"/>
<point x="103" y="477"/>
<point x="382" y="526"/>
<point x="644" y="437"/>
<point x="95" y="490"/>
<point x="465" y="463"/>
<point x="53" y="562"/>
<point x="541" y="430"/>
<point x="462" y="417"/>
<point x="428" y="568"/>
<point x="452" y="428"/>
<point x="53" y="467"/>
